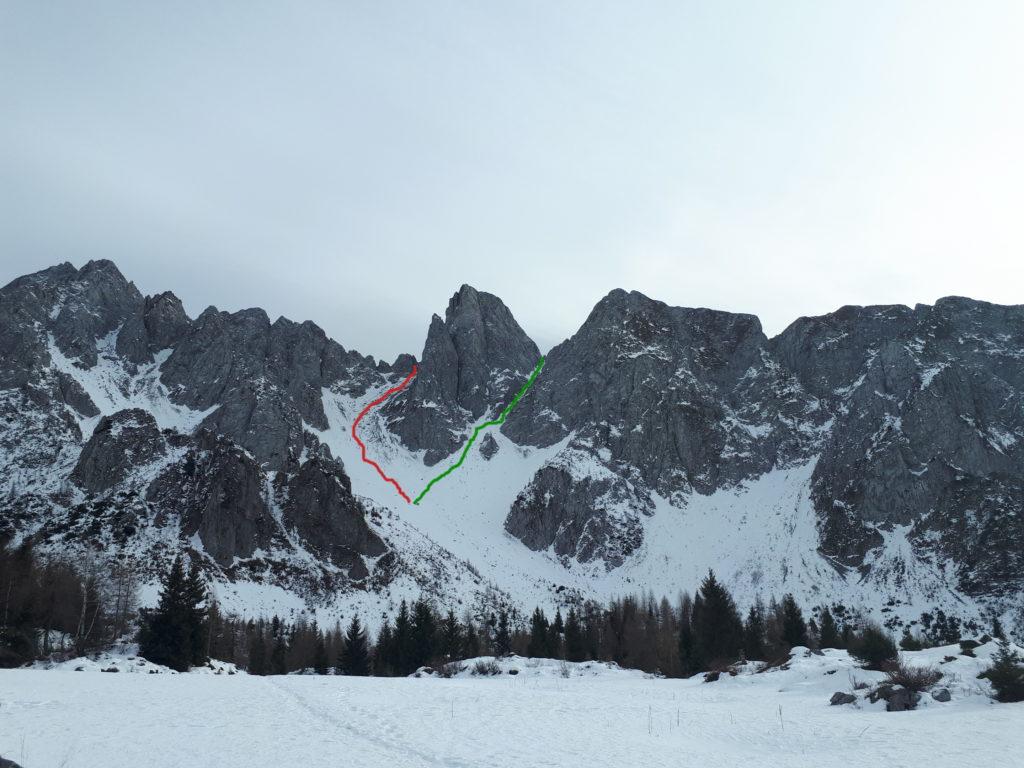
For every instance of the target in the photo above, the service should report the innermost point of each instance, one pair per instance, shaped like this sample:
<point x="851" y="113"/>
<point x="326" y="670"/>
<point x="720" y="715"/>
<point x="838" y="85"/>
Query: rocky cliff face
<point x="654" y="399"/>
<point x="473" y="362"/>
<point x="128" y="425"/>
<point x="928" y="409"/>
<point x="262" y="379"/>
<point x="885" y="444"/>
<point x="914" y="418"/>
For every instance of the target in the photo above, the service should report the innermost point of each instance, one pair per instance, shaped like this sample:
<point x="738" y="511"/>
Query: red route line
<point x="362" y="446"/>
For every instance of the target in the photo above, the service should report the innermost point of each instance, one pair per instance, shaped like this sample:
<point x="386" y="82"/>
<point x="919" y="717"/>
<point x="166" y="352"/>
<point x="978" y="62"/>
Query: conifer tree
<point x="555" y="631"/>
<point x="910" y="643"/>
<point x="592" y="619"/>
<point x="401" y="657"/>
<point x="355" y="657"/>
<point x="575" y="648"/>
<point x="221" y="635"/>
<point x="502" y="635"/>
<point x="320" y="661"/>
<point x="451" y="637"/>
<point x="470" y="641"/>
<point x="874" y="647"/>
<point x="197" y="614"/>
<point x="1006" y="674"/>
<point x="754" y="644"/>
<point x="689" y="660"/>
<point x="538" y="645"/>
<point x="279" y="654"/>
<point x="773" y="620"/>
<point x="829" y="633"/>
<point x="997" y="629"/>
<point x="257" y="651"/>
<point x="794" y="628"/>
<point x="717" y="627"/>
<point x="423" y="634"/>
<point x="384" y="662"/>
<point x="167" y="633"/>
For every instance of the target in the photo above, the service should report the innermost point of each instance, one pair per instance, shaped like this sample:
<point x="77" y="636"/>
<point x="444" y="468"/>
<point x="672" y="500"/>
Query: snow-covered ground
<point x="598" y="715"/>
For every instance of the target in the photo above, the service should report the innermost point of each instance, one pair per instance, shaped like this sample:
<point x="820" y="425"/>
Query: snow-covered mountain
<point x="871" y="457"/>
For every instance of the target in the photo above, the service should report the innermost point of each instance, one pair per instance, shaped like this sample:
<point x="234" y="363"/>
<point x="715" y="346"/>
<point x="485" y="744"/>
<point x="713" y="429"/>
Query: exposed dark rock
<point x="902" y="700"/>
<point x="158" y="324"/>
<point x="219" y="493"/>
<point x="942" y="695"/>
<point x="882" y="692"/>
<point x="897" y="699"/>
<point x="263" y="378"/>
<point x="120" y="443"/>
<point x="585" y="517"/>
<point x="842" y="698"/>
<point x="71" y="392"/>
<point x="488" y="447"/>
<point x="928" y="416"/>
<point x="403" y="364"/>
<point x="320" y="508"/>
<point x="73" y="308"/>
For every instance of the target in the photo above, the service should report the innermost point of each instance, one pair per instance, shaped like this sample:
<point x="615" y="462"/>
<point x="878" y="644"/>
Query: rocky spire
<point x="474" y="360"/>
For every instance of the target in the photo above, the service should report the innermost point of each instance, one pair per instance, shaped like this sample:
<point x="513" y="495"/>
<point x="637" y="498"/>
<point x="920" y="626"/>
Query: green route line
<point x="499" y="420"/>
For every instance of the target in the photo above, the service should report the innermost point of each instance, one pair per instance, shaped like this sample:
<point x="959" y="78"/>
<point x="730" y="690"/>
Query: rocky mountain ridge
<point x="872" y="455"/>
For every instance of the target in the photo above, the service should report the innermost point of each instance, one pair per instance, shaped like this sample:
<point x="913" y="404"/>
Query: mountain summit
<point x="473" y="362"/>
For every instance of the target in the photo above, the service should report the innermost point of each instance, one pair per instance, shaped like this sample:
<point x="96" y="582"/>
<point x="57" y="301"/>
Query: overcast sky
<point x="353" y="163"/>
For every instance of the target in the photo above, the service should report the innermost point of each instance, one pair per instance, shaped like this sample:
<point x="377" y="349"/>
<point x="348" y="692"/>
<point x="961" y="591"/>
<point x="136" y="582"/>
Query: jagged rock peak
<point x="473" y="361"/>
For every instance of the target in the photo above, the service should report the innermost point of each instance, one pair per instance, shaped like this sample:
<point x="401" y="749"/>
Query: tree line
<point x="52" y="606"/>
<point x="705" y="632"/>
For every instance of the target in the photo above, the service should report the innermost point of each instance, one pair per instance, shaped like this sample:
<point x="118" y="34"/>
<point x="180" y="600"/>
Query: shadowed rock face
<point x="123" y="442"/>
<point x="219" y="494"/>
<point x="916" y="418"/>
<point x="690" y="397"/>
<point x="157" y="325"/>
<point x="488" y="446"/>
<point x="474" y="361"/>
<point x="582" y="516"/>
<point x="222" y="495"/>
<point x="320" y="508"/>
<point x="263" y="378"/>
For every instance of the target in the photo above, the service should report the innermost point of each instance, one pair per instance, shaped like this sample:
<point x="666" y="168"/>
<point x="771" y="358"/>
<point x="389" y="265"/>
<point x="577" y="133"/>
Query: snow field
<point x="598" y="716"/>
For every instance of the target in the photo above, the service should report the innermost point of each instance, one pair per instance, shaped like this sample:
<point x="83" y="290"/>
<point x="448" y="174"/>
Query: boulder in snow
<point x="842" y="698"/>
<point x="902" y="700"/>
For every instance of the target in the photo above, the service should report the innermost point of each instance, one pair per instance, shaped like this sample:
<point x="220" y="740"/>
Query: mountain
<point x="653" y="400"/>
<point x="473" y="362"/>
<point x="928" y="409"/>
<point x="870" y="457"/>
